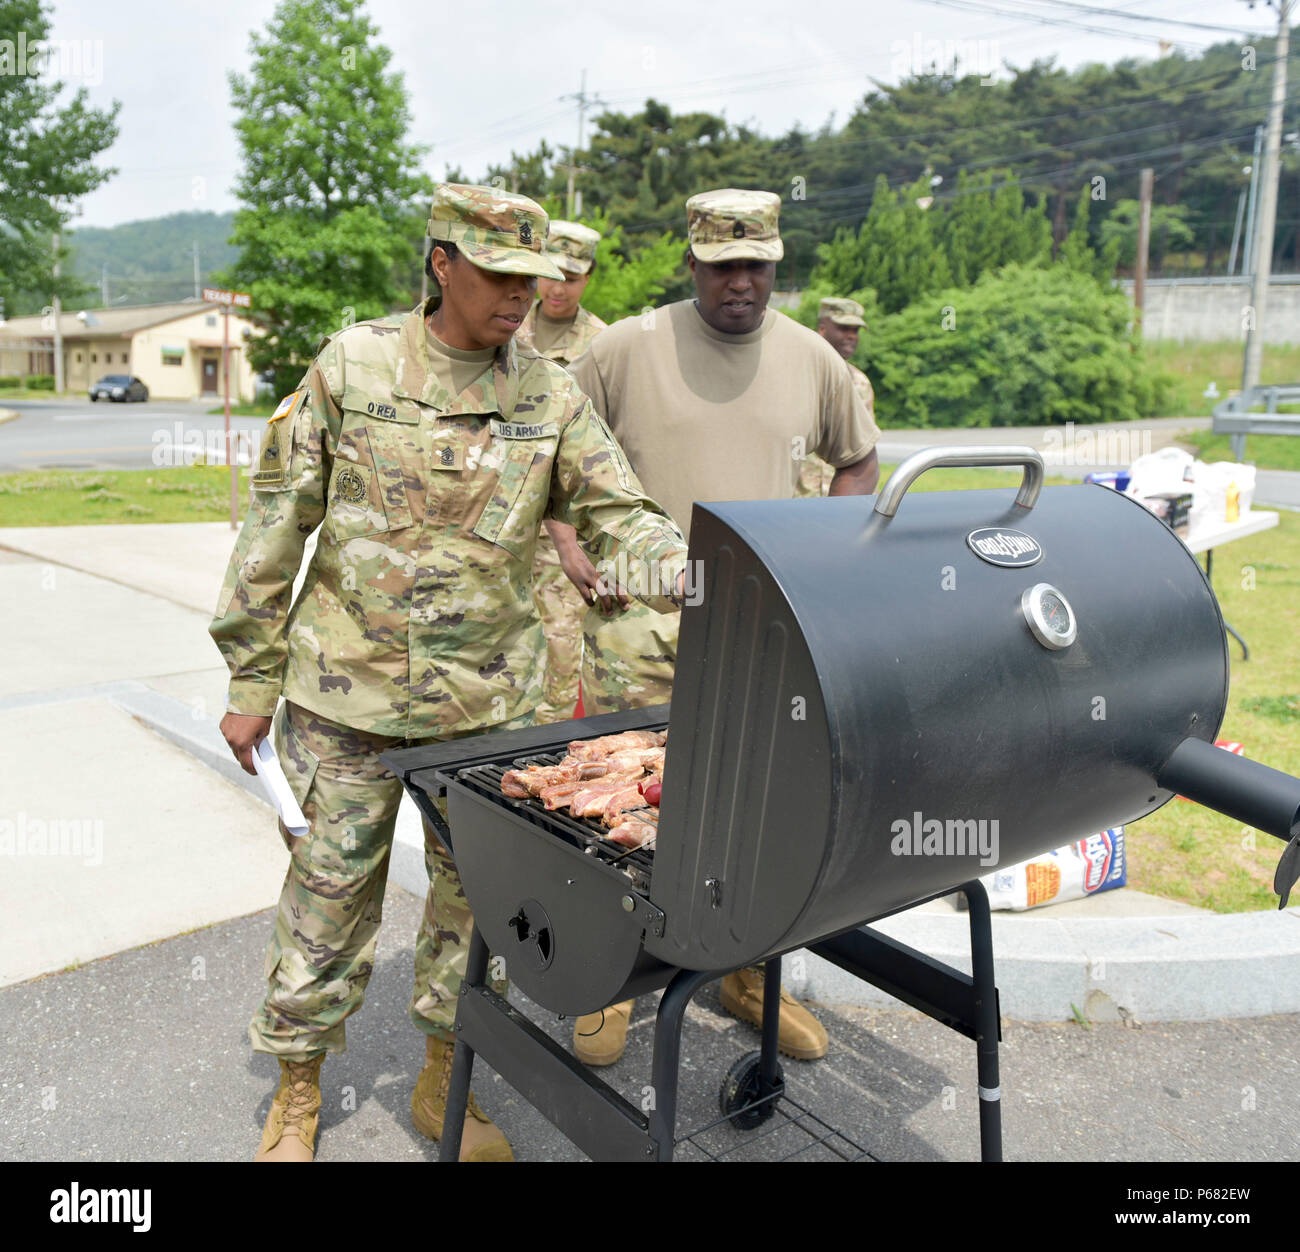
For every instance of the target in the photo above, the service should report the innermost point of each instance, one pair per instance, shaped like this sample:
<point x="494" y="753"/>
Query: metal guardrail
<point x="1236" y="417"/>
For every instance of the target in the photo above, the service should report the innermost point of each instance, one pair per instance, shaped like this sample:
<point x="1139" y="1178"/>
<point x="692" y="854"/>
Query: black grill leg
<point x="667" y="1056"/>
<point x="771" y="1024"/>
<point x="462" y="1063"/>
<point x="987" y="1024"/>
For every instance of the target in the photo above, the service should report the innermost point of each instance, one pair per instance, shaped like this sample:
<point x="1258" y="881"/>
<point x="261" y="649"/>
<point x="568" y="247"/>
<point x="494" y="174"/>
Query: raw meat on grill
<point x="603" y="778"/>
<point x="636" y="828"/>
<point x="594" y="749"/>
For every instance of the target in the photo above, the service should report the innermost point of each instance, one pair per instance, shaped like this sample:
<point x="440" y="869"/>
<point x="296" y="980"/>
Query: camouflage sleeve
<point x="594" y="490"/>
<point x="288" y="503"/>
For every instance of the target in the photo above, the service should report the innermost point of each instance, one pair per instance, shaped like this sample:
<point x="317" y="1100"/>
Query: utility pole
<point x="1144" y="242"/>
<point x="58" y="318"/>
<point x="1252" y="202"/>
<point x="1263" y="249"/>
<point x="584" y="103"/>
<point x="194" y="251"/>
<point x="103" y="283"/>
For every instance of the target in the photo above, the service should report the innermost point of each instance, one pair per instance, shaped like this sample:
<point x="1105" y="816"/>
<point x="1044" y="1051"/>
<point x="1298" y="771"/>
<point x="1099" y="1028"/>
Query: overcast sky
<point x="484" y="82"/>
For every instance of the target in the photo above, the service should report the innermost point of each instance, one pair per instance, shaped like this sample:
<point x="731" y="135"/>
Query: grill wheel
<point x="742" y="1086"/>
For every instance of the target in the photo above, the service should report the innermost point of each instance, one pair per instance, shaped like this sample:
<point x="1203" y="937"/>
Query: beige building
<point x="174" y="349"/>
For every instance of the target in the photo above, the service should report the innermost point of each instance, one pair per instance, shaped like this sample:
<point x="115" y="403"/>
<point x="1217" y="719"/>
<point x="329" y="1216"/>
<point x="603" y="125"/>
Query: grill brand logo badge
<point x="999" y="546"/>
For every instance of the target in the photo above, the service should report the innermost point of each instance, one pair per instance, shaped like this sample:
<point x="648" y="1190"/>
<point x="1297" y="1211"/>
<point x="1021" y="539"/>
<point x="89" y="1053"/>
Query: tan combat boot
<point x="801" y="1035"/>
<point x="599" y="1038"/>
<point x="480" y="1140"/>
<point x="290" y="1132"/>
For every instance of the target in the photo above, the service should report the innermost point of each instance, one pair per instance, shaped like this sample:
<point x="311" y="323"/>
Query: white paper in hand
<point x="269" y="771"/>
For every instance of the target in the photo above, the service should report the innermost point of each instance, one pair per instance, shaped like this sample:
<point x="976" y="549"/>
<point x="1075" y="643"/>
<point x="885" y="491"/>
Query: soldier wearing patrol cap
<point x="428" y="450"/>
<point x="714" y="398"/>
<point x="838" y="322"/>
<point x="560" y="329"/>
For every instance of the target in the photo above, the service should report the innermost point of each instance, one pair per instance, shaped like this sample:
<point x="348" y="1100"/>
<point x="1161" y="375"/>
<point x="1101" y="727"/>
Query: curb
<point x="1188" y="967"/>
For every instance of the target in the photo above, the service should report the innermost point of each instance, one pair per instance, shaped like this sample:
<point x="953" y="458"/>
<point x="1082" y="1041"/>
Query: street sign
<point x="220" y="295"/>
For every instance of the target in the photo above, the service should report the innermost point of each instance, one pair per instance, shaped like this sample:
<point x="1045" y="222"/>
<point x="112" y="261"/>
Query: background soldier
<point x="561" y="330"/>
<point x="713" y="399"/>
<point x="427" y="449"/>
<point x="838" y="322"/>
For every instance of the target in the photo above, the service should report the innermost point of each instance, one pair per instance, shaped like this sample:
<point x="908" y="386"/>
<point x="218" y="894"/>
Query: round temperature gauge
<point x="1050" y="617"/>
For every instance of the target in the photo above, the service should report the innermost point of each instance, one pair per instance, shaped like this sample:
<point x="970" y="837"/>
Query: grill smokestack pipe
<point x="1245" y="790"/>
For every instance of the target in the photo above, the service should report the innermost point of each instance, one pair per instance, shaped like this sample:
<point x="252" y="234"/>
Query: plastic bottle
<point x="1233" y="510"/>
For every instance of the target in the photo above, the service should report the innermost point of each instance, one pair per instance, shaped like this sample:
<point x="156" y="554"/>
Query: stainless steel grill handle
<point x="907" y="471"/>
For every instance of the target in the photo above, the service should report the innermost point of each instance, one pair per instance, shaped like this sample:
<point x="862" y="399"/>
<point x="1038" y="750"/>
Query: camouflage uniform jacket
<point x="571" y="345"/>
<point x="416" y="615"/>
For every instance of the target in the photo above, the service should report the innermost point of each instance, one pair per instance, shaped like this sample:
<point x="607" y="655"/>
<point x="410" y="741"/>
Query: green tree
<point x="1024" y="346"/>
<point x="985" y="227"/>
<point x="49" y="154"/>
<point x="1120" y="228"/>
<point x="329" y="185"/>
<point x="624" y="284"/>
<point x="894" y="251"/>
<point x="1077" y="252"/>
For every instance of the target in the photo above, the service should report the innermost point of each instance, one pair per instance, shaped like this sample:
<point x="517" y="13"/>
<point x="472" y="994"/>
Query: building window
<point x="78" y="358"/>
<point x="211" y="319"/>
<point x="172" y="356"/>
<point x="94" y="359"/>
<point x="125" y="358"/>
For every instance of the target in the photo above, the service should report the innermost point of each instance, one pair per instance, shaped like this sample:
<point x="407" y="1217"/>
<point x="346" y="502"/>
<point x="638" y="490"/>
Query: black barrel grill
<point x="872" y="707"/>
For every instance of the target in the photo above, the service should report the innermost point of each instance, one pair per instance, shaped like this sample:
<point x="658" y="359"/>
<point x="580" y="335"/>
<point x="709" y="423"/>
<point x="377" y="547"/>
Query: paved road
<point x="143" y="1057"/>
<point x="76" y="434"/>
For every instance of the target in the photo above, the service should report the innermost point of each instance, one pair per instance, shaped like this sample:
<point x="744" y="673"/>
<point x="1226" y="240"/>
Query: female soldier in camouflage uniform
<point x="428" y="452"/>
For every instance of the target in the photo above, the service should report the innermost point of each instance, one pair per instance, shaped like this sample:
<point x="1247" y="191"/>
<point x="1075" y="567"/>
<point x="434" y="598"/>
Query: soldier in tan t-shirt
<point x="714" y="398"/>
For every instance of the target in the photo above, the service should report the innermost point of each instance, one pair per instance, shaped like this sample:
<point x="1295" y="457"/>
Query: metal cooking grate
<point x="584" y="832"/>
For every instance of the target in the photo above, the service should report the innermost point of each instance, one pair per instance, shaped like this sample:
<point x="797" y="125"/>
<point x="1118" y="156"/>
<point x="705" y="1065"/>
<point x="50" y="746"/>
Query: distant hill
<point x="152" y="261"/>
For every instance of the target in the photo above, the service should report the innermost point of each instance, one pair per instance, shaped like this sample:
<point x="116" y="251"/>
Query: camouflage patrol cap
<point x="572" y="246"/>
<point x="732" y="225"/>
<point x="496" y="230"/>
<point x="842" y="312"/>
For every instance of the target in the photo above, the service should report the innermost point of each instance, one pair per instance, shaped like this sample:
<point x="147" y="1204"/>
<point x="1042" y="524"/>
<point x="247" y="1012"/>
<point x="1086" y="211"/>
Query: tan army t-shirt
<point x="704" y="415"/>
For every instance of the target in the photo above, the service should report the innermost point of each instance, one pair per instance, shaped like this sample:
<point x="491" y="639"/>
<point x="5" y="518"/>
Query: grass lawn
<point x="1193" y="366"/>
<point x="197" y="493"/>
<point x="263" y="408"/>
<point x="1183" y="851"/>
<point x="1279" y="452"/>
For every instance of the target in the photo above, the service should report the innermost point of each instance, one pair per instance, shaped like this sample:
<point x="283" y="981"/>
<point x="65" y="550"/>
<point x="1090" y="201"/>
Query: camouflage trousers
<point x="561" y="608"/>
<point x="627" y="659"/>
<point x="322" y="951"/>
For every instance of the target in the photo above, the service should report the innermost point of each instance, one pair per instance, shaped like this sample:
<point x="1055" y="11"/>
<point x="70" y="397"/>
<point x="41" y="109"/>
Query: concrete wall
<point x="1214" y="309"/>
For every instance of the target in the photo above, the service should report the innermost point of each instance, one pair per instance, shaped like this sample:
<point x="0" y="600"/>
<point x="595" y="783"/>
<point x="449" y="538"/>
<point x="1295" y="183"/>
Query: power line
<point x="1144" y="17"/>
